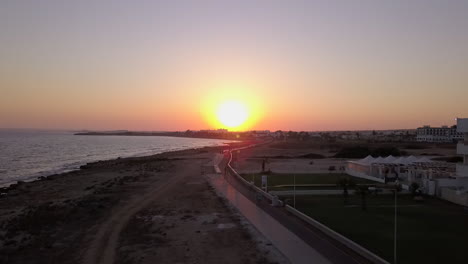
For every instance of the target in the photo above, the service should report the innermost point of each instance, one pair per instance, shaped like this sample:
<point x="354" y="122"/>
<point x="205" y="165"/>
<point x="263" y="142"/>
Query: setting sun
<point x="232" y="114"/>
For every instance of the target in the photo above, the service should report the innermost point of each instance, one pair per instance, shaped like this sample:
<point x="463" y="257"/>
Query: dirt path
<point x="102" y="249"/>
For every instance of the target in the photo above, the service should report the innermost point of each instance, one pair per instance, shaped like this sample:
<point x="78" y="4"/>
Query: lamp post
<point x="294" y="190"/>
<point x="395" y="227"/>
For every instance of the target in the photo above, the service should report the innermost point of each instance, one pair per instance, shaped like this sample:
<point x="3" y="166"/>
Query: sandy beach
<point x="135" y="210"/>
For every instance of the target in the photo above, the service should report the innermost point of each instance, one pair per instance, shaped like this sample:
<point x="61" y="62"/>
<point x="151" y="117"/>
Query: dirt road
<point x="102" y="250"/>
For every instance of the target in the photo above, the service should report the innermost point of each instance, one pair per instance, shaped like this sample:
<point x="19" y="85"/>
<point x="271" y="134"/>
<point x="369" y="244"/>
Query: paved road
<point x="310" y="192"/>
<point x="333" y="251"/>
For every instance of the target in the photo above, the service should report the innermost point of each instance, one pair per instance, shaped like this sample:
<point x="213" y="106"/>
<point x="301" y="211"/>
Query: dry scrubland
<point x="311" y="156"/>
<point x="294" y="156"/>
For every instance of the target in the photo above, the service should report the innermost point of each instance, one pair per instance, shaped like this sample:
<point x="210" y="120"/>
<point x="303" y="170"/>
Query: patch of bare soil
<point x="191" y="225"/>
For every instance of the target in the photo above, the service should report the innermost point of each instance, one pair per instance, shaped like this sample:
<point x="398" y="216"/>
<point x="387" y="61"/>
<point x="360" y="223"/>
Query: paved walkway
<point x="294" y="248"/>
<point x="310" y="192"/>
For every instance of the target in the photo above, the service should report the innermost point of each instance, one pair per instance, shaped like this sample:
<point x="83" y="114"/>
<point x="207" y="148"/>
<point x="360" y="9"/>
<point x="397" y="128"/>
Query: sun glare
<point x="232" y="114"/>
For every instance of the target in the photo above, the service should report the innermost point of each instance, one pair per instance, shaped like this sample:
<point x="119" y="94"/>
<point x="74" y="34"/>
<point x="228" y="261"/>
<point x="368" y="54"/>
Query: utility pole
<point x="395" y="227"/>
<point x="294" y="186"/>
<point x="294" y="190"/>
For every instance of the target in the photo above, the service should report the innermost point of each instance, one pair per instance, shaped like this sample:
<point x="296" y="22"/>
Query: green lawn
<point x="431" y="231"/>
<point x="280" y="181"/>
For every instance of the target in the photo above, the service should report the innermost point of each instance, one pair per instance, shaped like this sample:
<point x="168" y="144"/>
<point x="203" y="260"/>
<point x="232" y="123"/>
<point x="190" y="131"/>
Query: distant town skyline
<point x="296" y="65"/>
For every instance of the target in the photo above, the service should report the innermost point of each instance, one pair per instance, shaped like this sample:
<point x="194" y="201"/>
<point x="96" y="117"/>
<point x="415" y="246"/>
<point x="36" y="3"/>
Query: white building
<point x="456" y="189"/>
<point x="462" y="147"/>
<point x="435" y="178"/>
<point x="438" y="134"/>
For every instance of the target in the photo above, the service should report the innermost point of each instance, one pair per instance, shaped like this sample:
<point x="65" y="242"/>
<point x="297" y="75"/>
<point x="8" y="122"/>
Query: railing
<point x="462" y="125"/>
<point x="250" y="185"/>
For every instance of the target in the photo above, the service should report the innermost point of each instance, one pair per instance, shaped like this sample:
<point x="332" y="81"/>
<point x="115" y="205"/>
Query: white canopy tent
<point x="401" y="160"/>
<point x="366" y="161"/>
<point x="424" y="160"/>
<point x="389" y="160"/>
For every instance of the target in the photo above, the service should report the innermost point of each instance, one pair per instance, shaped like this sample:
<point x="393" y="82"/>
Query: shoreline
<point x="230" y="136"/>
<point x="77" y="166"/>
<point x="150" y="205"/>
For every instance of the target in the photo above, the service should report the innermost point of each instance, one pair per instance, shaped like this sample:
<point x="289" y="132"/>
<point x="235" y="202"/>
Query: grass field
<point x="431" y="231"/>
<point x="279" y="181"/>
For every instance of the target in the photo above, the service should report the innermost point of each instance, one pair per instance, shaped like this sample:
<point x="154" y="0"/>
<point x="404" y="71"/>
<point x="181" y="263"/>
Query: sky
<point x="296" y="65"/>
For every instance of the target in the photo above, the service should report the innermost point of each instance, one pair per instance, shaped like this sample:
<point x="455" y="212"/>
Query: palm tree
<point x="345" y="183"/>
<point x="363" y="191"/>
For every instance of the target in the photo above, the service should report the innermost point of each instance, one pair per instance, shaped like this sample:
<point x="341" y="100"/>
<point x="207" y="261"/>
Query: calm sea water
<point x="28" y="155"/>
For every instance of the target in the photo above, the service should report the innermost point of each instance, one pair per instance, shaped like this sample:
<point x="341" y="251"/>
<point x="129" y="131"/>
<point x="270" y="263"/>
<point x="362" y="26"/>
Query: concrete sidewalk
<point x="293" y="247"/>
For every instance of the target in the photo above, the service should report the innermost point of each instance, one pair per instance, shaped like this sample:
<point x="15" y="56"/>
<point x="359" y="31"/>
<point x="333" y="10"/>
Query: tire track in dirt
<point x="102" y="249"/>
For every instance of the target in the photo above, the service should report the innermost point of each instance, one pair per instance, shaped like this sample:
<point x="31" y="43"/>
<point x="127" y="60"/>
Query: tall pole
<point x="395" y="229"/>
<point x="294" y="190"/>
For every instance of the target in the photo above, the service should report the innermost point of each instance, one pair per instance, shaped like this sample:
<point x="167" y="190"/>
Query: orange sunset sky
<point x="294" y="65"/>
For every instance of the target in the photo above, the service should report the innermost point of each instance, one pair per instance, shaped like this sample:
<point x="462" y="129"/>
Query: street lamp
<point x="294" y="186"/>
<point x="294" y="190"/>
<point x="397" y="185"/>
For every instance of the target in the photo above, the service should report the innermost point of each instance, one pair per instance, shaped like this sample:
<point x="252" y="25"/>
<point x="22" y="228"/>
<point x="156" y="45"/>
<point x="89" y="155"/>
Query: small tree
<point x="345" y="183"/>
<point x="363" y="191"/>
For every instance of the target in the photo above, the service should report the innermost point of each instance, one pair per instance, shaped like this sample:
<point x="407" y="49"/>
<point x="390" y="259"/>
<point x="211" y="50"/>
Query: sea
<point x="26" y="155"/>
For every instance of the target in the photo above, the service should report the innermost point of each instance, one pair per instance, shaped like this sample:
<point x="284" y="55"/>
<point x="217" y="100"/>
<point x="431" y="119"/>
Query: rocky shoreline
<point x="60" y="218"/>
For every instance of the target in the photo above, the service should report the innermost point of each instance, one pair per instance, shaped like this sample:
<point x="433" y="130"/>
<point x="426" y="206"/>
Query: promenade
<point x="294" y="248"/>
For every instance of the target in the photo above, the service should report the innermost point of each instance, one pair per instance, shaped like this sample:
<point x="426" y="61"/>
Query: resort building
<point x="440" y="179"/>
<point x="462" y="147"/>
<point x="442" y="134"/>
<point x="421" y="170"/>
<point x="456" y="190"/>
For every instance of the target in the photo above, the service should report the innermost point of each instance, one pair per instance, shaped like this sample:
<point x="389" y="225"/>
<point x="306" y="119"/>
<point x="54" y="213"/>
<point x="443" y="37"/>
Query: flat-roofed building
<point x="442" y="134"/>
<point x="462" y="147"/>
<point x="456" y="189"/>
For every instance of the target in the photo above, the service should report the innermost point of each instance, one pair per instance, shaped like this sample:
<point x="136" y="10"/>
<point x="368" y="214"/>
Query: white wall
<point x="462" y="125"/>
